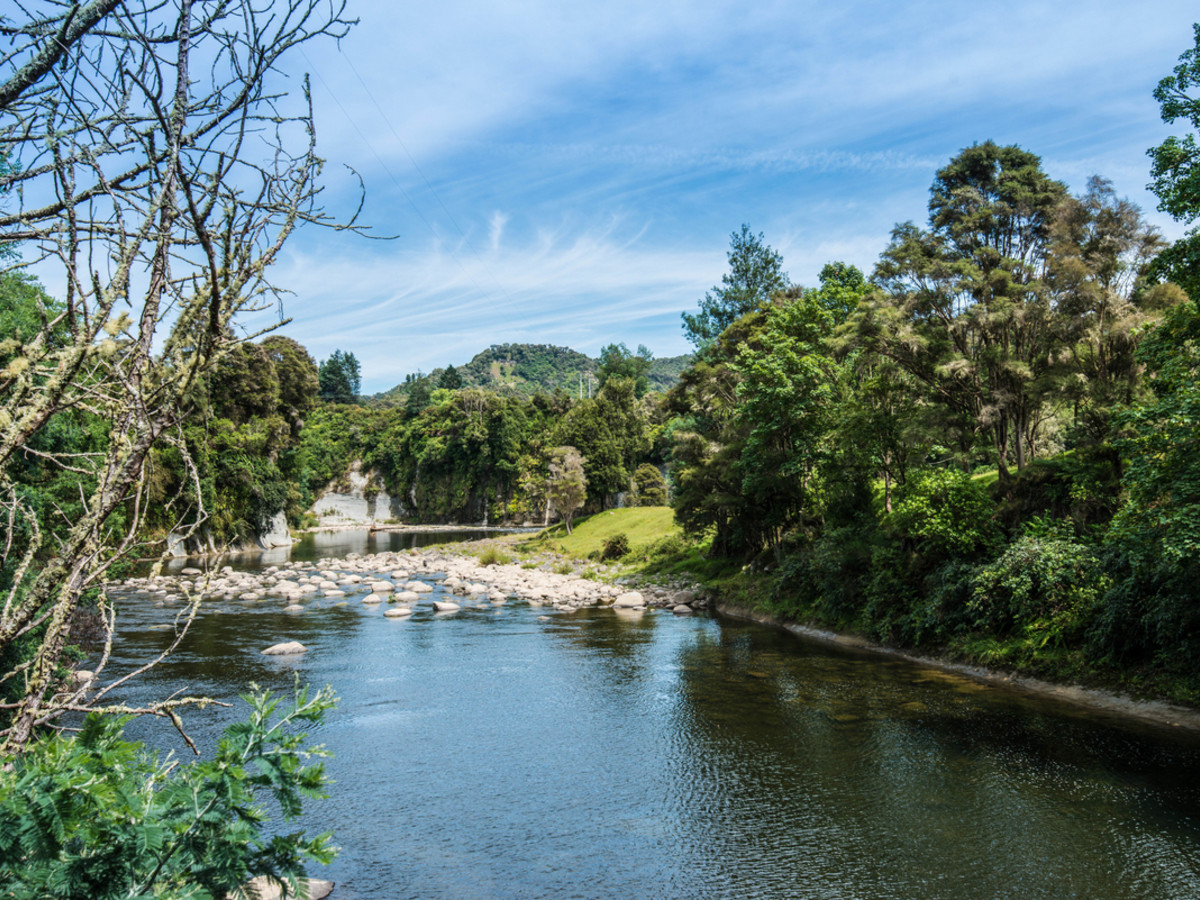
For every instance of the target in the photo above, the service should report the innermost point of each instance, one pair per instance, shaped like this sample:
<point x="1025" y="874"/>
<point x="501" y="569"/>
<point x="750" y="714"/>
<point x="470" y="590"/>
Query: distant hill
<point x="529" y="369"/>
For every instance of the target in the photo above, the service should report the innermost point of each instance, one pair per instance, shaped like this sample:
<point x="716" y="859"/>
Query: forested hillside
<point x="528" y="369"/>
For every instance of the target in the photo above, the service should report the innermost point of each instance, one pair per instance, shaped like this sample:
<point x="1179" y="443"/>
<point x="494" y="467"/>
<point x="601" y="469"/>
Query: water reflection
<point x="315" y="545"/>
<point x="493" y="754"/>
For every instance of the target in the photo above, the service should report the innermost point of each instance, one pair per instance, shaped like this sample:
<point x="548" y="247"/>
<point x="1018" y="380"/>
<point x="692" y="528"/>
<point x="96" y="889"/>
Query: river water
<point x="490" y="754"/>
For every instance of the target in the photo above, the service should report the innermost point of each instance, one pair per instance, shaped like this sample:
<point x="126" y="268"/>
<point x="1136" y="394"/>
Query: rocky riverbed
<point x="445" y="580"/>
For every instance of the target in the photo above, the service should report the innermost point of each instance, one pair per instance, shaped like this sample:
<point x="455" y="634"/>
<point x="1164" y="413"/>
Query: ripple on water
<point x="678" y="757"/>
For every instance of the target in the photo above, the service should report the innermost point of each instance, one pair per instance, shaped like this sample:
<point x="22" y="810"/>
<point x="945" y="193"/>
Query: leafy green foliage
<point x="1046" y="584"/>
<point x="339" y="378"/>
<point x="615" y="547"/>
<point x="755" y="275"/>
<point x="1175" y="168"/>
<point x="943" y="512"/>
<point x="1161" y="515"/>
<point x="651" y="486"/>
<point x="617" y="362"/>
<point x="612" y="433"/>
<point x="96" y="816"/>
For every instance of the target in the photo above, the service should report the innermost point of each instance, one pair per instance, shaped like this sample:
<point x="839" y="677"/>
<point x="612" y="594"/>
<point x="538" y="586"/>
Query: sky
<point x="571" y="173"/>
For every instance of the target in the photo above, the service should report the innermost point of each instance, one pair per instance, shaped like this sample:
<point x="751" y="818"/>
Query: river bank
<point x="479" y="574"/>
<point x="1157" y="712"/>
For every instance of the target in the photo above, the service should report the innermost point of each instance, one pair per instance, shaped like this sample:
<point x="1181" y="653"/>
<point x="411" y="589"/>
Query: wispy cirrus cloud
<point x="570" y="173"/>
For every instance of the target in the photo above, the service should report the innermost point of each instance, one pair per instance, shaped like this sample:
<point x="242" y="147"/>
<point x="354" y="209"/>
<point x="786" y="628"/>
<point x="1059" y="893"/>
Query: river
<point x="491" y="754"/>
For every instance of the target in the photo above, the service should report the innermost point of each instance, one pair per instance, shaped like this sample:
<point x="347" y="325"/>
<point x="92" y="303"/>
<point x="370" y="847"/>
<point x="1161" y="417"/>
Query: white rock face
<point x="285" y="649"/>
<point x="629" y="600"/>
<point x="361" y="505"/>
<point x="277" y="534"/>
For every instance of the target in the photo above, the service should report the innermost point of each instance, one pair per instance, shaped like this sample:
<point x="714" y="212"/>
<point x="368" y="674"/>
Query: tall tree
<point x="1176" y="168"/>
<point x="755" y="275"/>
<point x="965" y="307"/>
<point x="1101" y="249"/>
<point x="339" y="378"/>
<point x="617" y="362"/>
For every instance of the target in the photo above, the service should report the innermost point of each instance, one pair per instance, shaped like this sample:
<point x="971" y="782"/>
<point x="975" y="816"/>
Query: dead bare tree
<point x="150" y="156"/>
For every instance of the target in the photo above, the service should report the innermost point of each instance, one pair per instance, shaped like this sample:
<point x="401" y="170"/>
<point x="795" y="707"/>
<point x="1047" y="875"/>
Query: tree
<point x="755" y="275"/>
<point x="1101" y="250"/>
<point x="651" y="486"/>
<point x="965" y="307"/>
<point x="612" y="432"/>
<point x="1176" y="169"/>
<point x="339" y="378"/>
<point x="134" y="175"/>
<point x="617" y="362"/>
<point x="299" y="383"/>
<point x="450" y="380"/>
<point x="567" y="484"/>
<point x="784" y="392"/>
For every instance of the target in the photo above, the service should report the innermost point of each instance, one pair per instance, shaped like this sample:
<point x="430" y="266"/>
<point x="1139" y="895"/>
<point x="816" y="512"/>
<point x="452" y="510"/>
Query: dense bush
<point x="1048" y="585"/>
<point x="96" y="816"/>
<point x="943" y="513"/>
<point x="615" y="547"/>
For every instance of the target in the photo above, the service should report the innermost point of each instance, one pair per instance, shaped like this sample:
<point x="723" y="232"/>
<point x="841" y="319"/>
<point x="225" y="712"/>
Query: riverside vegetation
<point x="986" y="447"/>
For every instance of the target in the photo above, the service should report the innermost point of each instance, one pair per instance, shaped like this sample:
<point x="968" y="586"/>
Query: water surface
<point x="489" y="754"/>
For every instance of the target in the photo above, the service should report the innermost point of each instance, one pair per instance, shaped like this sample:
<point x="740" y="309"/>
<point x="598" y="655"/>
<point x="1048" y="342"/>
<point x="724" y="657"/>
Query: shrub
<point x="99" y="817"/>
<point x="1042" y="583"/>
<point x="492" y="556"/>
<point x="943" y="513"/>
<point x="615" y="547"/>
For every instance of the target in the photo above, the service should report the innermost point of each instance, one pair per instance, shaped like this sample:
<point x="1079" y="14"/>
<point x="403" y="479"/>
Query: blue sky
<point x="570" y="173"/>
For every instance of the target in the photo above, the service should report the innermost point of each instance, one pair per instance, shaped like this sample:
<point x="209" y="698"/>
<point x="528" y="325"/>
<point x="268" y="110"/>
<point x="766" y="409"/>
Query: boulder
<point x="381" y="587"/>
<point x="294" y="607"/>
<point x="682" y="609"/>
<point x="398" y="612"/>
<point x="285" y="649"/>
<point x="406" y="597"/>
<point x="418" y="587"/>
<point x="629" y="600"/>
<point x="261" y="888"/>
<point x="444" y="606"/>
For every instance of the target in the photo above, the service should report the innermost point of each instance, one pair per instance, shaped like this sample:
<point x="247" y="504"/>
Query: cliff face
<point x="358" y="498"/>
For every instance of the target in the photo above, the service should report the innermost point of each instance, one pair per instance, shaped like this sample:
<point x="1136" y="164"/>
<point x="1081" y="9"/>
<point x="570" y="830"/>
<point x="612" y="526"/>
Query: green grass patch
<point x="641" y="525"/>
